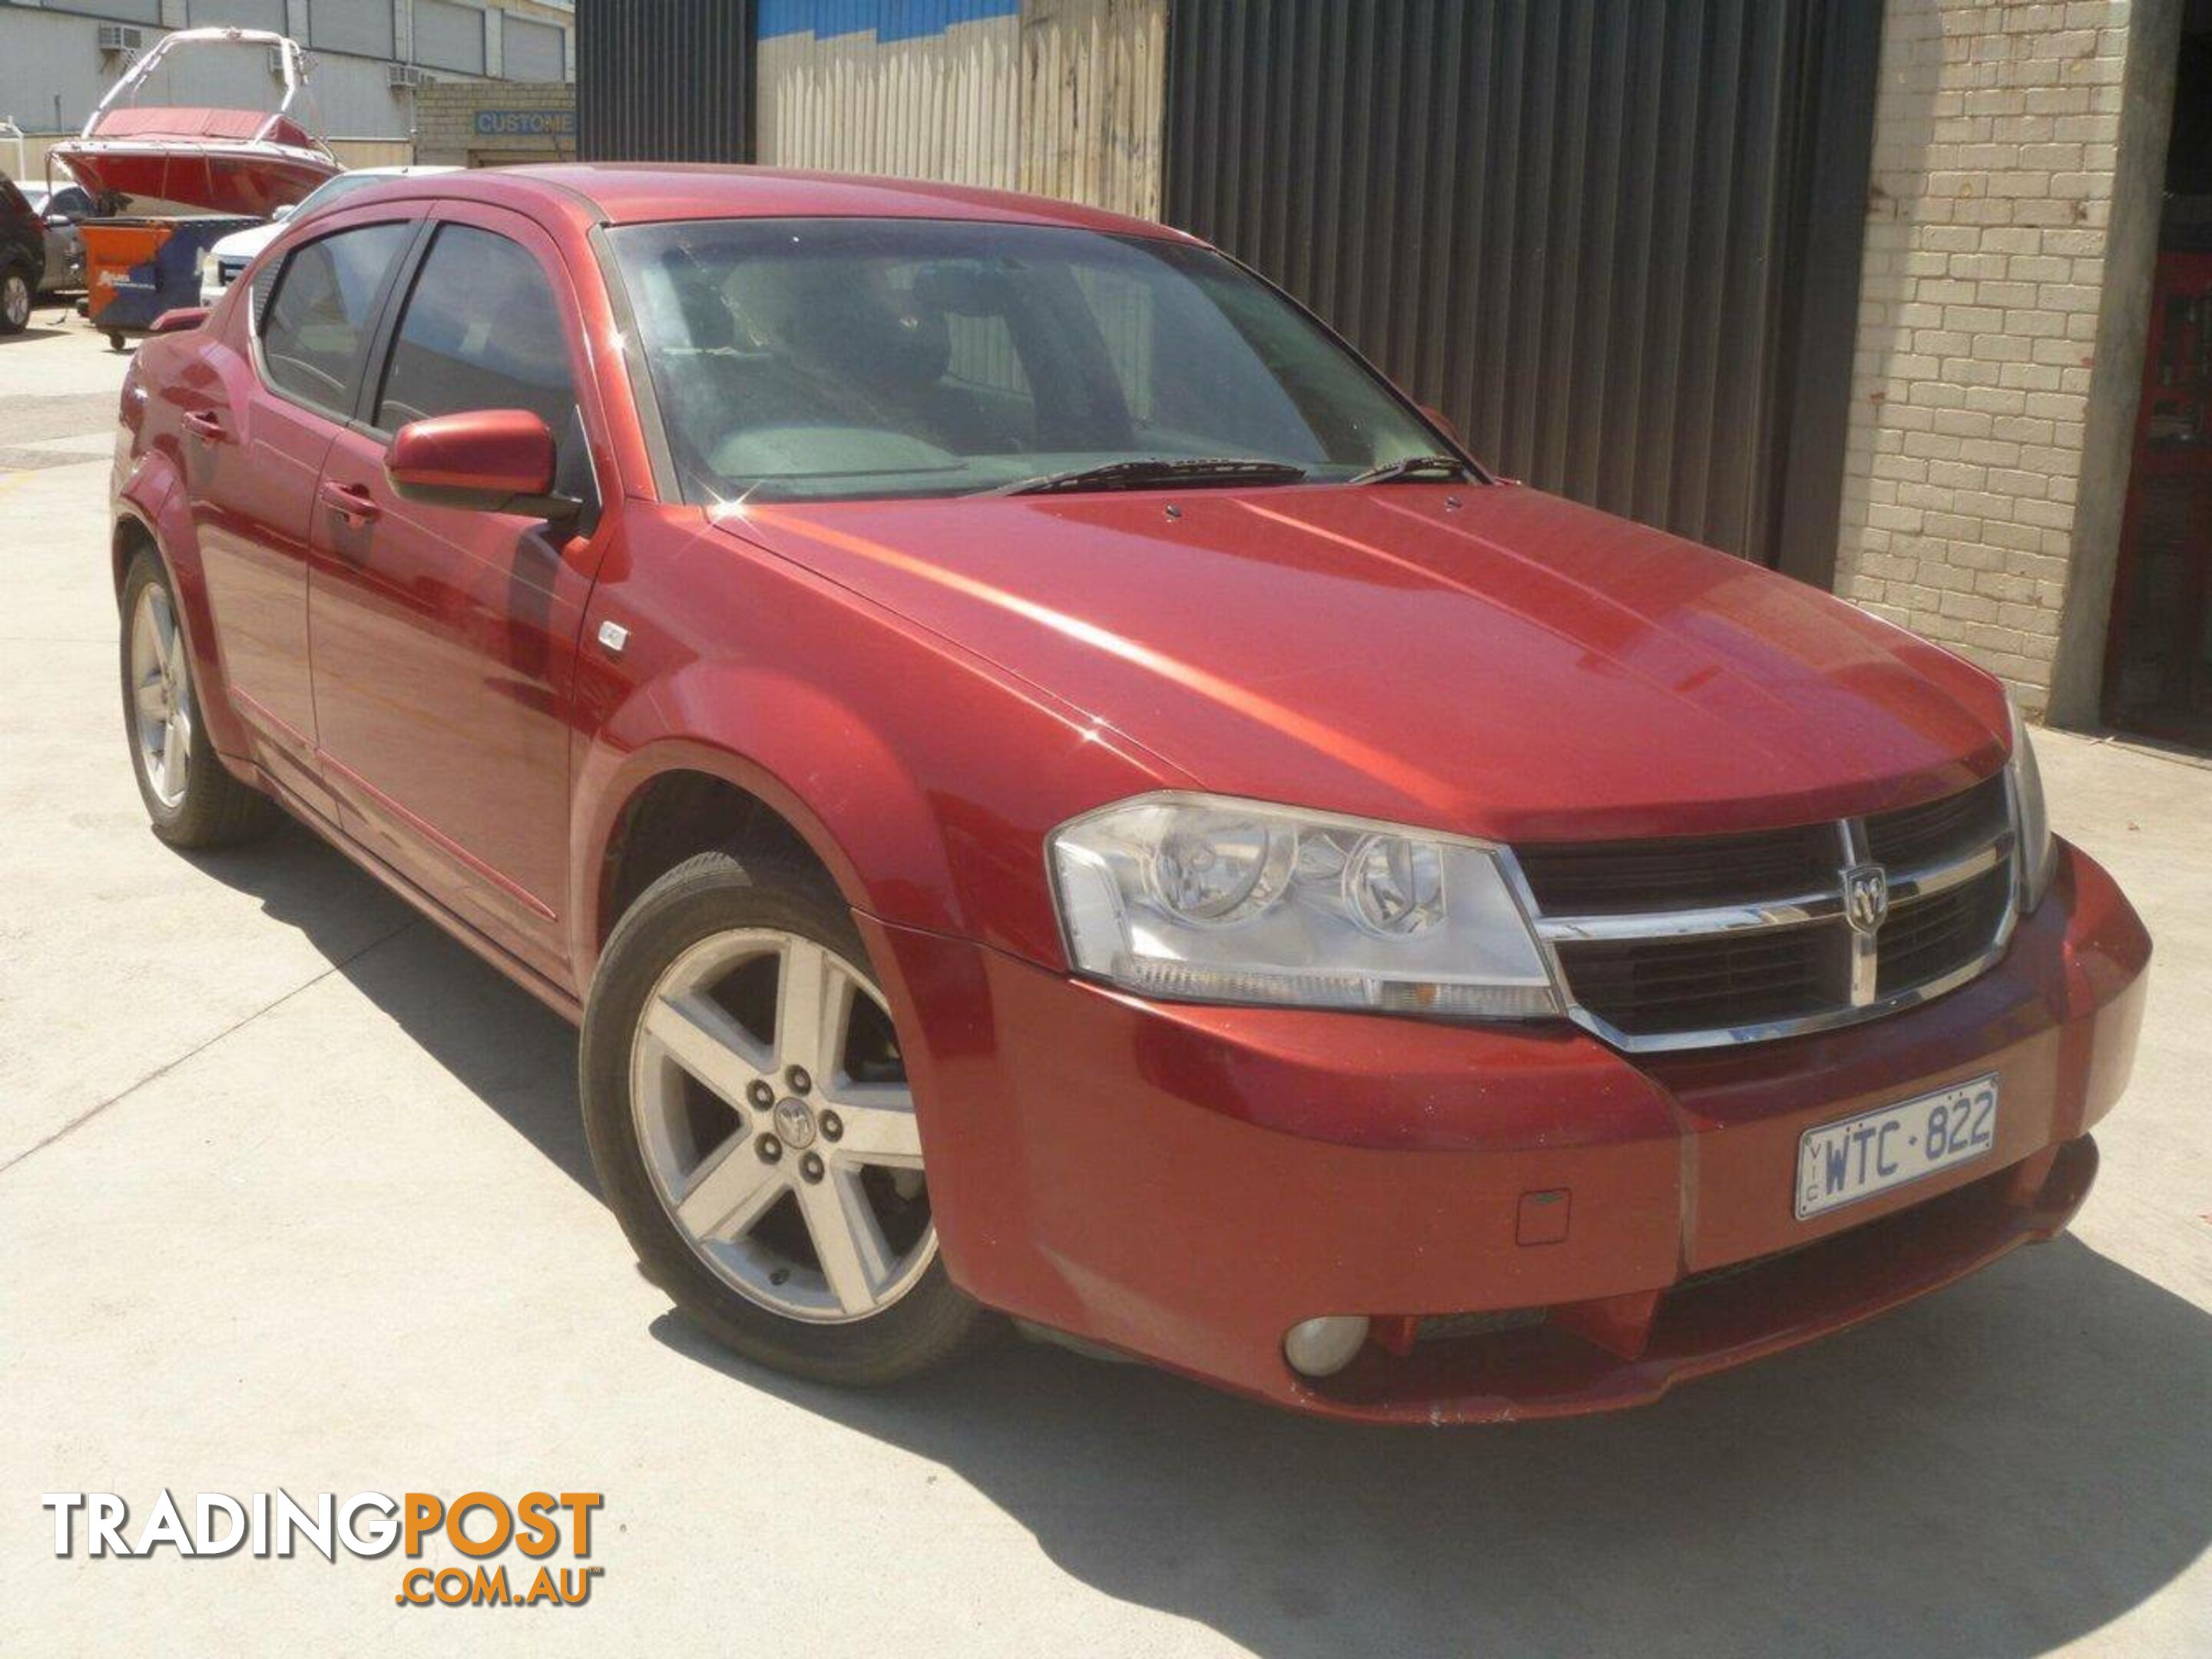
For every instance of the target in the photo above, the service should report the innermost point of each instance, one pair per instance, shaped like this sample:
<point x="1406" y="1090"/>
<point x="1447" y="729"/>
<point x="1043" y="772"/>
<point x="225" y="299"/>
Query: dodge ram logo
<point x="1866" y="897"/>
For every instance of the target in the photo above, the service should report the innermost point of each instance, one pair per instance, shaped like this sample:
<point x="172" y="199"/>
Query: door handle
<point x="206" y="426"/>
<point x="351" y="503"/>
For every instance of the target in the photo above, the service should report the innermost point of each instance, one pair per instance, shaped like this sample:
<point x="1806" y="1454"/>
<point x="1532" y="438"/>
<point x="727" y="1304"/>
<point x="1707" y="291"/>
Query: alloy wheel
<point x="15" y="301"/>
<point x="771" y="1107"/>
<point x="160" y="696"/>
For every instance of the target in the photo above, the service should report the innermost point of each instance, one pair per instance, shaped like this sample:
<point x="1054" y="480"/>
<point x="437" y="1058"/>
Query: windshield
<point x="828" y="359"/>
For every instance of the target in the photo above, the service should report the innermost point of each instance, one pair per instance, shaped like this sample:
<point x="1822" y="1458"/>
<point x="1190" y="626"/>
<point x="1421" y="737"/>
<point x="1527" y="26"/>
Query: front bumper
<point x="1185" y="1183"/>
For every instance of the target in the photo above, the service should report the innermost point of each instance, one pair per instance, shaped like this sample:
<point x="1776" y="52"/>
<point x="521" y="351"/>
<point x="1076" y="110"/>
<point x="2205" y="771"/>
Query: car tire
<point x="191" y="799"/>
<point x="17" y="292"/>
<point x="721" y="1161"/>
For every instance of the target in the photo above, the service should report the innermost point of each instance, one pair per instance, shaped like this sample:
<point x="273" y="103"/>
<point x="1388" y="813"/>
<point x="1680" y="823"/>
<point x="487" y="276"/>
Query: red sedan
<point x="1053" y="791"/>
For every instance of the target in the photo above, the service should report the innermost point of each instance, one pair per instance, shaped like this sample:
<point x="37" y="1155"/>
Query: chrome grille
<point x="1687" y="942"/>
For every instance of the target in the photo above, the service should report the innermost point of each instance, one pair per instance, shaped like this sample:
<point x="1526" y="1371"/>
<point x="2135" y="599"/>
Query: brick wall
<point x="1995" y="134"/>
<point x="446" y="116"/>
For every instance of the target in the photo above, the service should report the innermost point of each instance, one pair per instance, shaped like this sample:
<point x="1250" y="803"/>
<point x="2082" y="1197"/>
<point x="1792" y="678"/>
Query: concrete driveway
<point x="293" y="1192"/>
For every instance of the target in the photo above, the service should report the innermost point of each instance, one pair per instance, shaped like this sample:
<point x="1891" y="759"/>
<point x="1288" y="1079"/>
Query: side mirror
<point x="1443" y="422"/>
<point x="283" y="213"/>
<point x="490" y="460"/>
<point x="179" y="320"/>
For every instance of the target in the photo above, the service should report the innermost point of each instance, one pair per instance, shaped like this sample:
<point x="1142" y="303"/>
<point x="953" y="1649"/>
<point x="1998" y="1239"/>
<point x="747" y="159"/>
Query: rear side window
<point x="316" y="326"/>
<point x="481" y="331"/>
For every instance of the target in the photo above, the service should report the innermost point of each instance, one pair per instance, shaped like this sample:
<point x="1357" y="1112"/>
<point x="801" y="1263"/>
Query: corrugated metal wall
<point x="665" y="80"/>
<point x="1580" y="227"/>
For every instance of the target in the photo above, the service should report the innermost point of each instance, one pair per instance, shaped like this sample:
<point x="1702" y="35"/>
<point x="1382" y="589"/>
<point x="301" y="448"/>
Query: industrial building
<point x="1861" y="289"/>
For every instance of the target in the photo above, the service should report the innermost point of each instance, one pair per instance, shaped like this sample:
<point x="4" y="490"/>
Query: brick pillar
<point x="1995" y="136"/>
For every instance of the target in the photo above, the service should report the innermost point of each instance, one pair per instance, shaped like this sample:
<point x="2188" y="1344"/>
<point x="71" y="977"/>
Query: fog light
<point x="1322" y="1347"/>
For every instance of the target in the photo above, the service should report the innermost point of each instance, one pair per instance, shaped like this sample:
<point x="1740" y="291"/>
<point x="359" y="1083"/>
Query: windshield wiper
<point x="1144" y="474"/>
<point x="1414" y="466"/>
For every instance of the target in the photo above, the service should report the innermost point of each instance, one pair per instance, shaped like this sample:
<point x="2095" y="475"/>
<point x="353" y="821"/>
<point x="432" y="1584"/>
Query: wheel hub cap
<point x="794" y="1123"/>
<point x="161" y="718"/>
<point x="825" y="1227"/>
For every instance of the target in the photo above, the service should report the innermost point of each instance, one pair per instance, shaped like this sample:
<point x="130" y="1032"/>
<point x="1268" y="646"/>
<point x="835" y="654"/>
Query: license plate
<point x="1841" y="1163"/>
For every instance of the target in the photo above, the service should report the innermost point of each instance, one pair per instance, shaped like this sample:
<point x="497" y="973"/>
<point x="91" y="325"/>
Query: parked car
<point x="63" y="209"/>
<point x="23" y="257"/>
<point x="1054" y="790"/>
<point x="222" y="263"/>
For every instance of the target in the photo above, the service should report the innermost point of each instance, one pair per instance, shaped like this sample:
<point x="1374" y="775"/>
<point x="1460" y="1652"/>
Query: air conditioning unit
<point x="397" y="75"/>
<point x="121" y="37"/>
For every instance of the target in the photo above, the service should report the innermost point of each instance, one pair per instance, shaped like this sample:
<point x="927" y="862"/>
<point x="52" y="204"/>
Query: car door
<point x="444" y="638"/>
<point x="254" y="437"/>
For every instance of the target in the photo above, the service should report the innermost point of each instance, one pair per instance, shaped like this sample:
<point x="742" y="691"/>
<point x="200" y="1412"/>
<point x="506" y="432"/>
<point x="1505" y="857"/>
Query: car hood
<point x="1488" y="660"/>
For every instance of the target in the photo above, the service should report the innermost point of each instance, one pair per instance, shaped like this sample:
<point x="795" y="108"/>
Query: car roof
<point x="623" y="193"/>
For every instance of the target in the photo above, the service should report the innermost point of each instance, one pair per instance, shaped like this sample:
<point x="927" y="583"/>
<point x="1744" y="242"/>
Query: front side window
<point x="481" y="331"/>
<point x="317" y="323"/>
<point x="829" y="359"/>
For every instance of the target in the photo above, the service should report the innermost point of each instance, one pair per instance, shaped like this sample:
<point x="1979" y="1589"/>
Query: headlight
<point x="1207" y="899"/>
<point x="2037" y="853"/>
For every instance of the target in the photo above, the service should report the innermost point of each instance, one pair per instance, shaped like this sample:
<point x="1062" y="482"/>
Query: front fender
<point x="681" y="724"/>
<point x="928" y="808"/>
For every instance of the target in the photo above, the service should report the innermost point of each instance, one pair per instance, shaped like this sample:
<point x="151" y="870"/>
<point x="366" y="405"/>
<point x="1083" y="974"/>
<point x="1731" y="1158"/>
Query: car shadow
<point x="33" y="333"/>
<point x="1997" y="1470"/>
<point x="508" y="1048"/>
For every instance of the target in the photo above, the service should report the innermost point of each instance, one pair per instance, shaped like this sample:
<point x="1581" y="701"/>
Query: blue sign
<point x="525" y="123"/>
